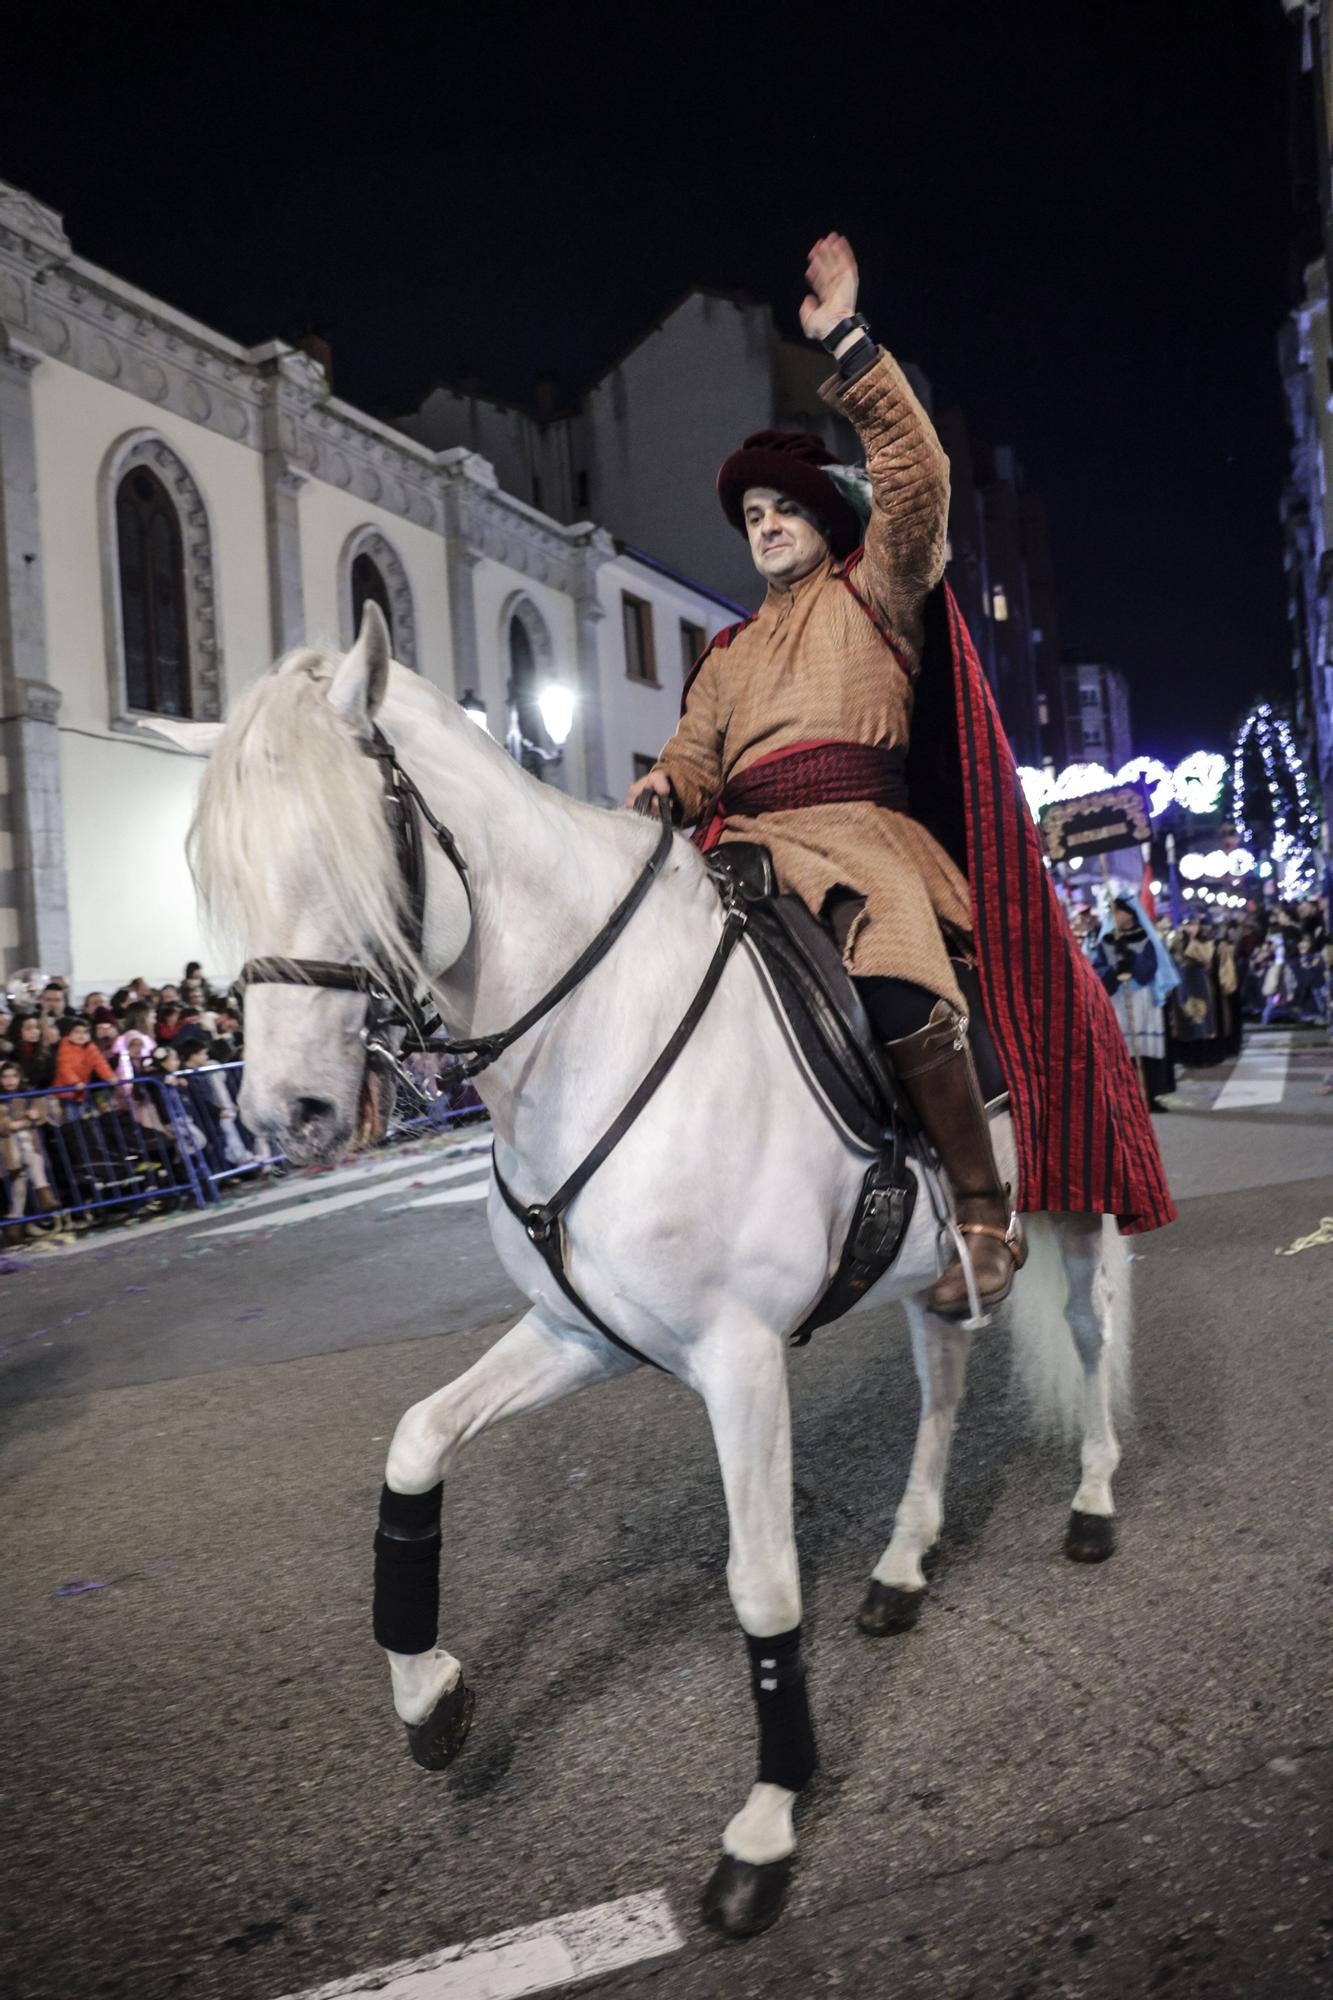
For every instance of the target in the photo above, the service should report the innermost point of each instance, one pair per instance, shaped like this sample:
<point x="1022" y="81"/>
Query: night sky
<point x="1075" y="218"/>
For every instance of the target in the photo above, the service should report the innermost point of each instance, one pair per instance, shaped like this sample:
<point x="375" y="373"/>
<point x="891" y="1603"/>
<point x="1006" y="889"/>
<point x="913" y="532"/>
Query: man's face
<point x="104" y="1034"/>
<point x="785" y="542"/>
<point x="53" y="1000"/>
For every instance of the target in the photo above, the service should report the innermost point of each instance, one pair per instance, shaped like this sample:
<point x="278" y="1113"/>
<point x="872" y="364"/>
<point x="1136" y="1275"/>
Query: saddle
<point x="844" y="1065"/>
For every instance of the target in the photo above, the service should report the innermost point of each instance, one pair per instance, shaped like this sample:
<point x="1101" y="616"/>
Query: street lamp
<point x="556" y="703"/>
<point x="555" y="706"/>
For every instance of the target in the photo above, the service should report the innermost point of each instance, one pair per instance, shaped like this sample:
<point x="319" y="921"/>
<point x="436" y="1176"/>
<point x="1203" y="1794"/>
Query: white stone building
<point x="175" y="512"/>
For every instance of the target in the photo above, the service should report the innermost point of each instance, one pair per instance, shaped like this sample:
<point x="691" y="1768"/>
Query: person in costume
<point x="795" y="732"/>
<point x="1137" y="971"/>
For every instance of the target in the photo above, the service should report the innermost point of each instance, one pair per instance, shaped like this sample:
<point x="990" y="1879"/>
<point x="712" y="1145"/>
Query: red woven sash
<point x="825" y="773"/>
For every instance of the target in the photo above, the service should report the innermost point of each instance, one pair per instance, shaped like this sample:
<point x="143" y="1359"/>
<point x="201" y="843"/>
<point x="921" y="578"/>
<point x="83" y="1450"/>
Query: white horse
<point x="705" y="1239"/>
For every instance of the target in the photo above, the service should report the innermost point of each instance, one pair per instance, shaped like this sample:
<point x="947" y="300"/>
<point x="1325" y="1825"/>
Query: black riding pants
<point x="896" y="1007"/>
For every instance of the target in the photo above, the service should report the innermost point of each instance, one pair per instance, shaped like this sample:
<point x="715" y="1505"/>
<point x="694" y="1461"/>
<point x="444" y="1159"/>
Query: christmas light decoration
<point x="1196" y="783"/>
<point x="1198" y="779"/>
<point x="1148" y="771"/>
<point x="1078" y="779"/>
<point x="1294" y="821"/>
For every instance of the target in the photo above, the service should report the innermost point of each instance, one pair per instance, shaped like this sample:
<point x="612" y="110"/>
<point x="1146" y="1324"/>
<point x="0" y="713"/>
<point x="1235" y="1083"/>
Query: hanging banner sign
<point x="1097" y="822"/>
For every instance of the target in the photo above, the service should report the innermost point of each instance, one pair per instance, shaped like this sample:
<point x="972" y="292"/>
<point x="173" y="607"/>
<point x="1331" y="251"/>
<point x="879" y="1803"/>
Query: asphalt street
<point x="1067" y="1781"/>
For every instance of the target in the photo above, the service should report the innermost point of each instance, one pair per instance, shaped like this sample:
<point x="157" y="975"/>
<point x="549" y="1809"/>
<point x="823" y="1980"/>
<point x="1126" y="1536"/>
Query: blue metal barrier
<point x="154" y="1143"/>
<point x="225" y="1149"/>
<point x="95" y="1148"/>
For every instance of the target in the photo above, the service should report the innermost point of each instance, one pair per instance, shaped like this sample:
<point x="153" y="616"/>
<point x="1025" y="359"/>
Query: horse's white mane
<point x="287" y="795"/>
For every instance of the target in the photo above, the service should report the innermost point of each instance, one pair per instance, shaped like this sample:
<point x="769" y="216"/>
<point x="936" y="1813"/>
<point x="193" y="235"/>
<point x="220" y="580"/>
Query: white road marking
<point x="1260" y="1076"/>
<point x="361" y="1173"/>
<point x="330" y="1204"/>
<point x="582" y="1945"/>
<point x="478" y="1192"/>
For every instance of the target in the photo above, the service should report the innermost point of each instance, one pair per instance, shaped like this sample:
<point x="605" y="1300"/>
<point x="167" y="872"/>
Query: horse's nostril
<point x="312" y="1111"/>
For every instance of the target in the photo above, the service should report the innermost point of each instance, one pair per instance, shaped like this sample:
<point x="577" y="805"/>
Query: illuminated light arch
<point x="1295" y="823"/>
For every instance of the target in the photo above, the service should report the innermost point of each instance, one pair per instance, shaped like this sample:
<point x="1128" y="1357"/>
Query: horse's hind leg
<point x="1098" y="1319"/>
<point x="536" y="1363"/>
<point x="897" y="1590"/>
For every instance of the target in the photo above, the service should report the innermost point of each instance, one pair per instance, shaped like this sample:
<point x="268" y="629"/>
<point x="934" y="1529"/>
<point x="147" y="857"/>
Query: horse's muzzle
<point x="314" y="1131"/>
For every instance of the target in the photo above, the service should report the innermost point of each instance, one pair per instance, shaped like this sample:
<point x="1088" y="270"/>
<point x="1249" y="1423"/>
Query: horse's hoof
<point x="887" y="1609"/>
<point x="435" y="1742"/>
<point x="1089" y="1538"/>
<point x="745" y="1897"/>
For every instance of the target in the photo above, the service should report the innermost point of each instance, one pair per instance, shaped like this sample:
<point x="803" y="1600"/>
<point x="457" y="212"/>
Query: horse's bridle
<point x="389" y="1008"/>
<point x="390" y="1005"/>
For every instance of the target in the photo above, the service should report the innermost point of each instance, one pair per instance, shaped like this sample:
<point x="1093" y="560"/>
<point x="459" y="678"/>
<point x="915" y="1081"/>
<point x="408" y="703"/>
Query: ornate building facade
<point x="175" y="512"/>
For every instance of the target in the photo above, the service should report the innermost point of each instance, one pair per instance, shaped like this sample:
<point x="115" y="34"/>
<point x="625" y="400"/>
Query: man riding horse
<point x="795" y="733"/>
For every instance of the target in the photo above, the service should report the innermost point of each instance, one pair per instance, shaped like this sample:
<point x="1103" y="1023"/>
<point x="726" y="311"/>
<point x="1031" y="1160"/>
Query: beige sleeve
<point x="909" y="480"/>
<point x="693" y="758"/>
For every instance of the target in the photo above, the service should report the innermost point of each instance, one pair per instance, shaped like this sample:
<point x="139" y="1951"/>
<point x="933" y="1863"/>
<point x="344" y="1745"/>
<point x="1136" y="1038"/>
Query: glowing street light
<point x="556" y="705"/>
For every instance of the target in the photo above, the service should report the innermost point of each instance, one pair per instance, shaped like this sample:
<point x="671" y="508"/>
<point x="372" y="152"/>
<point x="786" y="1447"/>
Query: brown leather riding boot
<point x="935" y="1068"/>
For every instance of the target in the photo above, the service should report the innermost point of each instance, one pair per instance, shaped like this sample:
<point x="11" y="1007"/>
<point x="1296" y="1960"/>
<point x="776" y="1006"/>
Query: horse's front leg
<point x="536" y="1363"/>
<point x="743" y="1380"/>
<point x="940" y="1349"/>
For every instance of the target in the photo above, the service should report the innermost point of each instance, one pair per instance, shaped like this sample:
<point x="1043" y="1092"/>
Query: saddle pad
<point x="823" y="1073"/>
<point x="827" y="1022"/>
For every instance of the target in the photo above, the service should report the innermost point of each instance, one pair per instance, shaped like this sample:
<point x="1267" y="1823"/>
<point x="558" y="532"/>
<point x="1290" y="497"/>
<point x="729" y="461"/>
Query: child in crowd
<point x="22" y="1159"/>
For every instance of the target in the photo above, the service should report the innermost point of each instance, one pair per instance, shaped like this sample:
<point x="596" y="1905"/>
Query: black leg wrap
<point x="407" y="1571"/>
<point x="786" y="1734"/>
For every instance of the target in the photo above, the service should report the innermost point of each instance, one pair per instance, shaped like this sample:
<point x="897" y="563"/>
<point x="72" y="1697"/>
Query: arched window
<point x="152" y="596"/>
<point x="371" y="571"/>
<point x="369" y="587"/>
<point x="523" y="681"/>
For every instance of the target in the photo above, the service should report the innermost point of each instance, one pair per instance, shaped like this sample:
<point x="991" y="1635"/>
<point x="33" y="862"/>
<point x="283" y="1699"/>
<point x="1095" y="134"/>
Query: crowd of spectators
<point x="1184" y="991"/>
<point x="107" y="1105"/>
<point x="85" y="1122"/>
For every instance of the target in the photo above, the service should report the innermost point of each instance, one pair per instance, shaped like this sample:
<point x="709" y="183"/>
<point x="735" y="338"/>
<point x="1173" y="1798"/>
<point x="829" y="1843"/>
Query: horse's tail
<point x="1049" y="1354"/>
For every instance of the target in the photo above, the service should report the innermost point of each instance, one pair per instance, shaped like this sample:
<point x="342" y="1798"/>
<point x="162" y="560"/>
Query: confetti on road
<point x="1317" y="1237"/>
<point x="80" y="1586"/>
<point x="252" y="1312"/>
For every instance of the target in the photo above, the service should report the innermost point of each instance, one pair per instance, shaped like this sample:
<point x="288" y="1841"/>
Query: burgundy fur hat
<point x="791" y="462"/>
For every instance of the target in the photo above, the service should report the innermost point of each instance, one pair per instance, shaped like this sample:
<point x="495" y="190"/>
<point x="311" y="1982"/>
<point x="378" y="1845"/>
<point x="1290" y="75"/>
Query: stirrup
<point x="975" y="1313"/>
<point x="1012" y="1237"/>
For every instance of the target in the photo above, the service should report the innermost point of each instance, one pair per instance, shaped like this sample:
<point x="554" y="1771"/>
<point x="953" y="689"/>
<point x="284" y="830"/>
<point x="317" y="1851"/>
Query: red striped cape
<point x="1084" y="1138"/>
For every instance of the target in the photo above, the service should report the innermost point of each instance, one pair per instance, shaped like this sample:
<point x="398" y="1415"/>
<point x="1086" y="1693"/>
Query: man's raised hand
<point x="833" y="280"/>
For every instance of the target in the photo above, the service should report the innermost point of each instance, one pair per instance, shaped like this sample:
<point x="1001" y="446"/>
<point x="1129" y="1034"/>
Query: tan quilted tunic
<point x="811" y="664"/>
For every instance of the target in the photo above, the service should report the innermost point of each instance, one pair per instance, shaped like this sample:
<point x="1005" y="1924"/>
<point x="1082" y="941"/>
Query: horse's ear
<point x="357" y="688"/>
<point x="197" y="736"/>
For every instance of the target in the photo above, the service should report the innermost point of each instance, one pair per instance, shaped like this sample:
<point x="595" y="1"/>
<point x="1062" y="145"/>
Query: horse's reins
<point x="390" y="1007"/>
